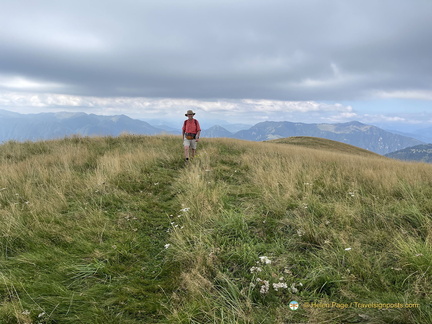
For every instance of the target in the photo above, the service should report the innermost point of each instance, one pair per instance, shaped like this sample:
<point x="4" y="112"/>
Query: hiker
<point x="191" y="133"/>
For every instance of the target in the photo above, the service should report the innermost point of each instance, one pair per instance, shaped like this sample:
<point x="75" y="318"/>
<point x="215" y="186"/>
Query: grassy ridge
<point x="120" y="230"/>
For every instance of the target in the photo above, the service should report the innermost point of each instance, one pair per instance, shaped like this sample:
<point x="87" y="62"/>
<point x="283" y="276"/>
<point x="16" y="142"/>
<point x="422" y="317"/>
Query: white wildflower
<point x="265" y="260"/>
<point x="26" y="312"/>
<point x="300" y="232"/>
<point x="348" y="249"/>
<point x="279" y="285"/>
<point x="294" y="290"/>
<point x="167" y="246"/>
<point x="41" y="314"/>
<point x="265" y="286"/>
<point x="185" y="210"/>
<point x="255" y="269"/>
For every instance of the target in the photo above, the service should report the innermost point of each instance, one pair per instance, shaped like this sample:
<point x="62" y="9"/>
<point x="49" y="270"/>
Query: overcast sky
<point x="238" y="60"/>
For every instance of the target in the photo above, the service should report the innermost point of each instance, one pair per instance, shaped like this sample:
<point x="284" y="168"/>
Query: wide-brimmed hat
<point x="189" y="112"/>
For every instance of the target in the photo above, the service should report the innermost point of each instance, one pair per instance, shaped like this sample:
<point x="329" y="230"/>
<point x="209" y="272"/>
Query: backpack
<point x="184" y="124"/>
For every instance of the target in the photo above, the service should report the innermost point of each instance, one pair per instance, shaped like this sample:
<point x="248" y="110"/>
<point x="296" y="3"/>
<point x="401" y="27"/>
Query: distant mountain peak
<point x="216" y="131"/>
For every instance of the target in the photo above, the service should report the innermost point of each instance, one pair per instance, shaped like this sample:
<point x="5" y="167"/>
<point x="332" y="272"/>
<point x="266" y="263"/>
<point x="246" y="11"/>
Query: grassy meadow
<point x="120" y="230"/>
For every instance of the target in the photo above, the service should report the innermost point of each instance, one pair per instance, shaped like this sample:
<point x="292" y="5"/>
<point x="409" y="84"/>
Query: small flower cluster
<point x="26" y="312"/>
<point x="175" y="226"/>
<point x="279" y="285"/>
<point x="265" y="260"/>
<point x="264" y="285"/>
<point x="255" y="269"/>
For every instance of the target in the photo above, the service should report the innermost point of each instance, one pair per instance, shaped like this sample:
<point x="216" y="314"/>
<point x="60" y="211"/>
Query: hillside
<point x="120" y="230"/>
<point x="324" y="144"/>
<point x="419" y="153"/>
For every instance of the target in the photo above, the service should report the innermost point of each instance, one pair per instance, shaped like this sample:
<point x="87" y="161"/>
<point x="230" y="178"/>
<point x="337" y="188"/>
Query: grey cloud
<point x="278" y="49"/>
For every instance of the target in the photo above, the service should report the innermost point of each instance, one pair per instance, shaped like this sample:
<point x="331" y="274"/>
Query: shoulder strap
<point x="195" y="121"/>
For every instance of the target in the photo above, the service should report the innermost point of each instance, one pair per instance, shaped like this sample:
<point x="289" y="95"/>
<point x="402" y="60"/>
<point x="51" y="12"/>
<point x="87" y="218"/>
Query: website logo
<point x="294" y="305"/>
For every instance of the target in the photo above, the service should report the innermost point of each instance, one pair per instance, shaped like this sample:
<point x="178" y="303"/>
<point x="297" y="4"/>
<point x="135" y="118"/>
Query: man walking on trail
<point x="191" y="133"/>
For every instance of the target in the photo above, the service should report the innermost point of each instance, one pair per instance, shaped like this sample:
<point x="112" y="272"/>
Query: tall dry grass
<point x="76" y="214"/>
<point x="337" y="227"/>
<point x="107" y="229"/>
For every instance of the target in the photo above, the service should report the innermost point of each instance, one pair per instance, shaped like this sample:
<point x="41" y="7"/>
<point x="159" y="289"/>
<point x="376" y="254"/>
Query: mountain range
<point x="354" y="133"/>
<point x="45" y="126"/>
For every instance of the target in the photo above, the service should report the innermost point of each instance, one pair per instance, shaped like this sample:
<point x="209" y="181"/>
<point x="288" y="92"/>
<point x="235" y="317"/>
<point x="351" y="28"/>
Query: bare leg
<point x="186" y="151"/>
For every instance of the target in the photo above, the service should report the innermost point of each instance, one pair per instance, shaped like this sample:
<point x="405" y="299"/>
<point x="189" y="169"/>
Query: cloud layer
<point x="218" y="51"/>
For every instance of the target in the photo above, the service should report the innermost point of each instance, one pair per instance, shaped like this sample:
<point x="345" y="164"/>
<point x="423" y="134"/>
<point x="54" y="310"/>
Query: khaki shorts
<point x="191" y="143"/>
